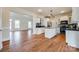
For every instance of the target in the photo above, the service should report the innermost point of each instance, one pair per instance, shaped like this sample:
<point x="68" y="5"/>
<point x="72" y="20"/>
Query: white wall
<point x="0" y="18"/>
<point x="75" y="14"/>
<point x="64" y="18"/>
<point x="24" y="19"/>
<point x="0" y="28"/>
<point x="5" y="23"/>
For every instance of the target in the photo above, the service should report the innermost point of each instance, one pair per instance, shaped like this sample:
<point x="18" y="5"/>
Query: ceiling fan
<point x="50" y="15"/>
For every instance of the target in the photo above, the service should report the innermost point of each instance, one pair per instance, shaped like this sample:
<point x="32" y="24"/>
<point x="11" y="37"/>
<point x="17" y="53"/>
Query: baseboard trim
<point x="6" y="44"/>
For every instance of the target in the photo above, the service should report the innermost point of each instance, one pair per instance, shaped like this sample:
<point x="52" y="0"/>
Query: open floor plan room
<point x="39" y="29"/>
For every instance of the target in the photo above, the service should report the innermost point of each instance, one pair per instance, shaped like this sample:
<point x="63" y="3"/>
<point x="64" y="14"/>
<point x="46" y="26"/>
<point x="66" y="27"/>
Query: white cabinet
<point x="49" y="33"/>
<point x="58" y="30"/>
<point x="72" y="38"/>
<point x="39" y="31"/>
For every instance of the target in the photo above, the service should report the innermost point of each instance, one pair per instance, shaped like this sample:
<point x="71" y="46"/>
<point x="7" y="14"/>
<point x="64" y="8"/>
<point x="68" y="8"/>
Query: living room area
<point x="39" y="29"/>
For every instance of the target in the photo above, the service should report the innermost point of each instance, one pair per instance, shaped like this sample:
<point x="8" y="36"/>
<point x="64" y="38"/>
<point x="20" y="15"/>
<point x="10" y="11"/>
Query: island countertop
<point x="73" y="29"/>
<point x="51" y="31"/>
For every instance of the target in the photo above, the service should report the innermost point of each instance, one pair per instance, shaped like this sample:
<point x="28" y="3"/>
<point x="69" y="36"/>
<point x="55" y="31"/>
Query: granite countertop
<point x="73" y="29"/>
<point x="40" y="26"/>
<point x="51" y="27"/>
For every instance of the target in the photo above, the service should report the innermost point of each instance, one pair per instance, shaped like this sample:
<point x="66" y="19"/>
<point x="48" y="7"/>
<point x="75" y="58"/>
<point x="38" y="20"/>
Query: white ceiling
<point x="46" y="10"/>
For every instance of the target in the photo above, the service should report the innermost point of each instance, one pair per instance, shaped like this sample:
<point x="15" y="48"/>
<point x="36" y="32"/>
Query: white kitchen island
<point x="72" y="38"/>
<point x="51" y="32"/>
<point x="38" y="30"/>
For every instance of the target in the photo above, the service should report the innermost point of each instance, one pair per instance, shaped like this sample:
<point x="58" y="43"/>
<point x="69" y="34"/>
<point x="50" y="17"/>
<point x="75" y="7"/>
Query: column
<point x="0" y="28"/>
<point x="5" y="24"/>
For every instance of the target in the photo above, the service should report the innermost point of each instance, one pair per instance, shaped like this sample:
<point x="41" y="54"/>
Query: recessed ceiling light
<point x="39" y="10"/>
<point x="62" y="11"/>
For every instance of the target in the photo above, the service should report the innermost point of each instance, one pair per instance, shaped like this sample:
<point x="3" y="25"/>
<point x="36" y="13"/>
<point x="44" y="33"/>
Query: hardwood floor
<point x="24" y="41"/>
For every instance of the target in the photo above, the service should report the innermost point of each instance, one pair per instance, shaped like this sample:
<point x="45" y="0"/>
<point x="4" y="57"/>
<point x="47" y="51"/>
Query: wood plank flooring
<point x="24" y="41"/>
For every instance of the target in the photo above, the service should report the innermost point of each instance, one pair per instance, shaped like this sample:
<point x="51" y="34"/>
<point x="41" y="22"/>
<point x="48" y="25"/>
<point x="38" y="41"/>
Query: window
<point x="29" y="24"/>
<point x="10" y="23"/>
<point x="17" y="24"/>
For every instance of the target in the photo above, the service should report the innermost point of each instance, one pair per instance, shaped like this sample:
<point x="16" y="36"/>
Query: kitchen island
<point x="51" y="32"/>
<point x="38" y="30"/>
<point x="72" y="37"/>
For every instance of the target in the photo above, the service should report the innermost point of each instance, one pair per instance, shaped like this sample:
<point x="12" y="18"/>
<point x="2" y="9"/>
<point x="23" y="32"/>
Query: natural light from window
<point x="17" y="24"/>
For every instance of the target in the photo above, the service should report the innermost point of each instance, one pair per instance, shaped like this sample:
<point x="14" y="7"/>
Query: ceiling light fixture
<point x="39" y="10"/>
<point x="62" y="11"/>
<point x="50" y="14"/>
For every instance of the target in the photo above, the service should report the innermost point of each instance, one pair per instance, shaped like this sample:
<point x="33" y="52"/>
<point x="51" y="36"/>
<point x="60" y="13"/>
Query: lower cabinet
<point x="72" y="38"/>
<point x="58" y="30"/>
<point x="39" y="30"/>
<point x="49" y="33"/>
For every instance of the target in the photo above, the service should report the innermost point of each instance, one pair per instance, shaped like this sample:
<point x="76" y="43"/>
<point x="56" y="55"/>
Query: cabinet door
<point x="58" y="30"/>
